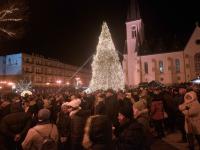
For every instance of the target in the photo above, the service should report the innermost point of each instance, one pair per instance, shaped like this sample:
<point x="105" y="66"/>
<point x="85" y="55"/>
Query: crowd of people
<point x="123" y="120"/>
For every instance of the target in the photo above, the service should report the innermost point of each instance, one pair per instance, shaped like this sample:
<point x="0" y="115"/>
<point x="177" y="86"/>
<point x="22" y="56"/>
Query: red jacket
<point x="157" y="110"/>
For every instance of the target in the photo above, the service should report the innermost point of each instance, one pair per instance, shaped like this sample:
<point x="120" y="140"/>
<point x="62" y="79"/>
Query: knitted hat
<point x="126" y="110"/>
<point x="43" y="115"/>
<point x="74" y="103"/>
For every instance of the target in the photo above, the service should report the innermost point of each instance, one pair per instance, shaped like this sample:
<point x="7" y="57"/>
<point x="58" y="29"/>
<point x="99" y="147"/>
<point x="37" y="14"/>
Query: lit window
<point x="133" y="31"/>
<point x="177" y="63"/>
<point x="197" y="63"/>
<point x="146" y="67"/>
<point x="161" y="66"/>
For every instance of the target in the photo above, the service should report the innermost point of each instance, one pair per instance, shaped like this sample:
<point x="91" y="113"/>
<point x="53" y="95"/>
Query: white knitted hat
<point x="74" y="103"/>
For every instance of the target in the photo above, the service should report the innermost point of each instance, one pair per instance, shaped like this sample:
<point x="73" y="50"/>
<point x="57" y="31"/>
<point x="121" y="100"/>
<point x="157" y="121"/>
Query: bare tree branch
<point x="12" y="15"/>
<point x="9" y="33"/>
<point x="10" y="20"/>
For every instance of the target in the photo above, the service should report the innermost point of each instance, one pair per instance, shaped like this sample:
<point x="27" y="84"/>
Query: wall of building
<point x="170" y="73"/>
<point x="41" y="70"/>
<point x="192" y="48"/>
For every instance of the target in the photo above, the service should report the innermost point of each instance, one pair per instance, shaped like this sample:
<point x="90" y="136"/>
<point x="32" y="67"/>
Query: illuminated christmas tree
<point x="106" y="68"/>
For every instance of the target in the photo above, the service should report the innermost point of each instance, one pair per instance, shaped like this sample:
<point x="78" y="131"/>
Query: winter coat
<point x="112" y="106"/>
<point x="132" y="137"/>
<point x="15" y="123"/>
<point x="4" y="109"/>
<point x="77" y="124"/>
<point x="56" y="105"/>
<point x="63" y="124"/>
<point x="33" y="140"/>
<point x="98" y="133"/>
<point x="140" y="107"/>
<point x="191" y="110"/>
<point x="157" y="110"/>
<point x="169" y="103"/>
<point x="179" y="99"/>
<point x="100" y="108"/>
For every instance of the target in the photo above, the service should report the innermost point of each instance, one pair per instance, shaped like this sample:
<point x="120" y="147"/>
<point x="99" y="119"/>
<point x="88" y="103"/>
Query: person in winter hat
<point x="191" y="110"/>
<point x="43" y="115"/>
<point x="63" y="124"/>
<point x="132" y="134"/>
<point x="73" y="106"/>
<point x="35" y="136"/>
<point x="74" y="103"/>
<point x="77" y="122"/>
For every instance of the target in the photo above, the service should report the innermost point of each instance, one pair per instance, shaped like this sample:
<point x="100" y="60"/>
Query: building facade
<point x="167" y="68"/>
<point x="40" y="70"/>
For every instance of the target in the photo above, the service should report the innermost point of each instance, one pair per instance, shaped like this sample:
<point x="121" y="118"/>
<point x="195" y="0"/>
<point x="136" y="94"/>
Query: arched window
<point x="146" y="68"/>
<point x="177" y="63"/>
<point x="133" y="31"/>
<point x="197" y="63"/>
<point x="161" y="66"/>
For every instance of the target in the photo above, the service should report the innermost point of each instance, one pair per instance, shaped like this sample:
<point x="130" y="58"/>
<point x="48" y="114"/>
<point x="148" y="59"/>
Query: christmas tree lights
<point x="106" y="68"/>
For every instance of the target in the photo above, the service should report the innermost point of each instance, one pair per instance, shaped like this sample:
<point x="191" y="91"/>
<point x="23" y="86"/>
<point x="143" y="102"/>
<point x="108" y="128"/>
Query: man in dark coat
<point x="132" y="135"/>
<point x="13" y="128"/>
<point x="111" y="106"/>
<point x="180" y="119"/>
<point x="77" y="123"/>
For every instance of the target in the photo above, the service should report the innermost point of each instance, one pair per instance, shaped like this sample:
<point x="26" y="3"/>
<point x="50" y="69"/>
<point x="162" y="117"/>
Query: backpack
<point x="48" y="143"/>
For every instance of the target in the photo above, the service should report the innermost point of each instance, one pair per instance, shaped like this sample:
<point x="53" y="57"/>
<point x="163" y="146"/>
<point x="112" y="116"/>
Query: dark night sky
<point x="68" y="29"/>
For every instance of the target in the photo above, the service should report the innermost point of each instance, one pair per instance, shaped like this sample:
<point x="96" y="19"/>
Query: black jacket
<point x="131" y="137"/>
<point x="15" y="123"/>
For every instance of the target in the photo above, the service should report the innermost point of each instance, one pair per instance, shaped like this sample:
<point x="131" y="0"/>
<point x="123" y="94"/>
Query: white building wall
<point x="131" y="62"/>
<point x="190" y="50"/>
<point x="125" y="68"/>
<point x="169" y="75"/>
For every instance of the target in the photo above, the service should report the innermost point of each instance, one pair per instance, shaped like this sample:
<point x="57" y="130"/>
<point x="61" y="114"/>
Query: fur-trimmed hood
<point x="190" y="96"/>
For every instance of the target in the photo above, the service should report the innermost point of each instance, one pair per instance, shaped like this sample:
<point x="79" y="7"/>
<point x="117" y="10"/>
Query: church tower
<point x="134" y="39"/>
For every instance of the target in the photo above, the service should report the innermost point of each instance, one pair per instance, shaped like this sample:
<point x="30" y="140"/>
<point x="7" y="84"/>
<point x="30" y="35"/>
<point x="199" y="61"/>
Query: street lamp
<point x="3" y="82"/>
<point x="58" y="81"/>
<point x="10" y="83"/>
<point x="13" y="85"/>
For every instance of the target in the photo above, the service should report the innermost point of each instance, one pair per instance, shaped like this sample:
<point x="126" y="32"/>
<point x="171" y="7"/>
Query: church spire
<point x="133" y="11"/>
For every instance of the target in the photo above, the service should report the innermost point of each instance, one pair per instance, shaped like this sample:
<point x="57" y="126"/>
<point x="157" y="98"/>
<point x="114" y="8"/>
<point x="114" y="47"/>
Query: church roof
<point x="133" y="11"/>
